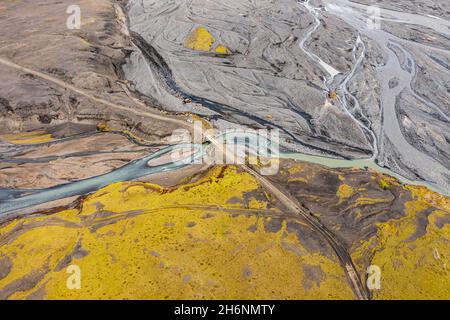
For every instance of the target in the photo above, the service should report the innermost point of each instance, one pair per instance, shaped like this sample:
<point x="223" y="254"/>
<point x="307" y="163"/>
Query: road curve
<point x="88" y="95"/>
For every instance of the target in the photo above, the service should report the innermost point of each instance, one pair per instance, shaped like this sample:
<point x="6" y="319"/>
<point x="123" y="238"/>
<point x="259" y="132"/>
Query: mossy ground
<point x="32" y="137"/>
<point x="413" y="251"/>
<point x="402" y="229"/>
<point x="203" y="239"/>
<point x="219" y="235"/>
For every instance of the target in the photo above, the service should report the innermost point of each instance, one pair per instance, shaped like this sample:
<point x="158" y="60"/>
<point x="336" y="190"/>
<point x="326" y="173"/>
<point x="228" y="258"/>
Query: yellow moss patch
<point x="296" y="168"/>
<point x="298" y="173"/>
<point x="222" y="49"/>
<point x="384" y="184"/>
<point x="200" y="39"/>
<point x="103" y="127"/>
<point x="37" y="251"/>
<point x="332" y="95"/>
<point x="32" y="137"/>
<point x="255" y="204"/>
<point x="345" y="191"/>
<point x="298" y="179"/>
<point x="412" y="255"/>
<point x="367" y="201"/>
<point x="432" y="198"/>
